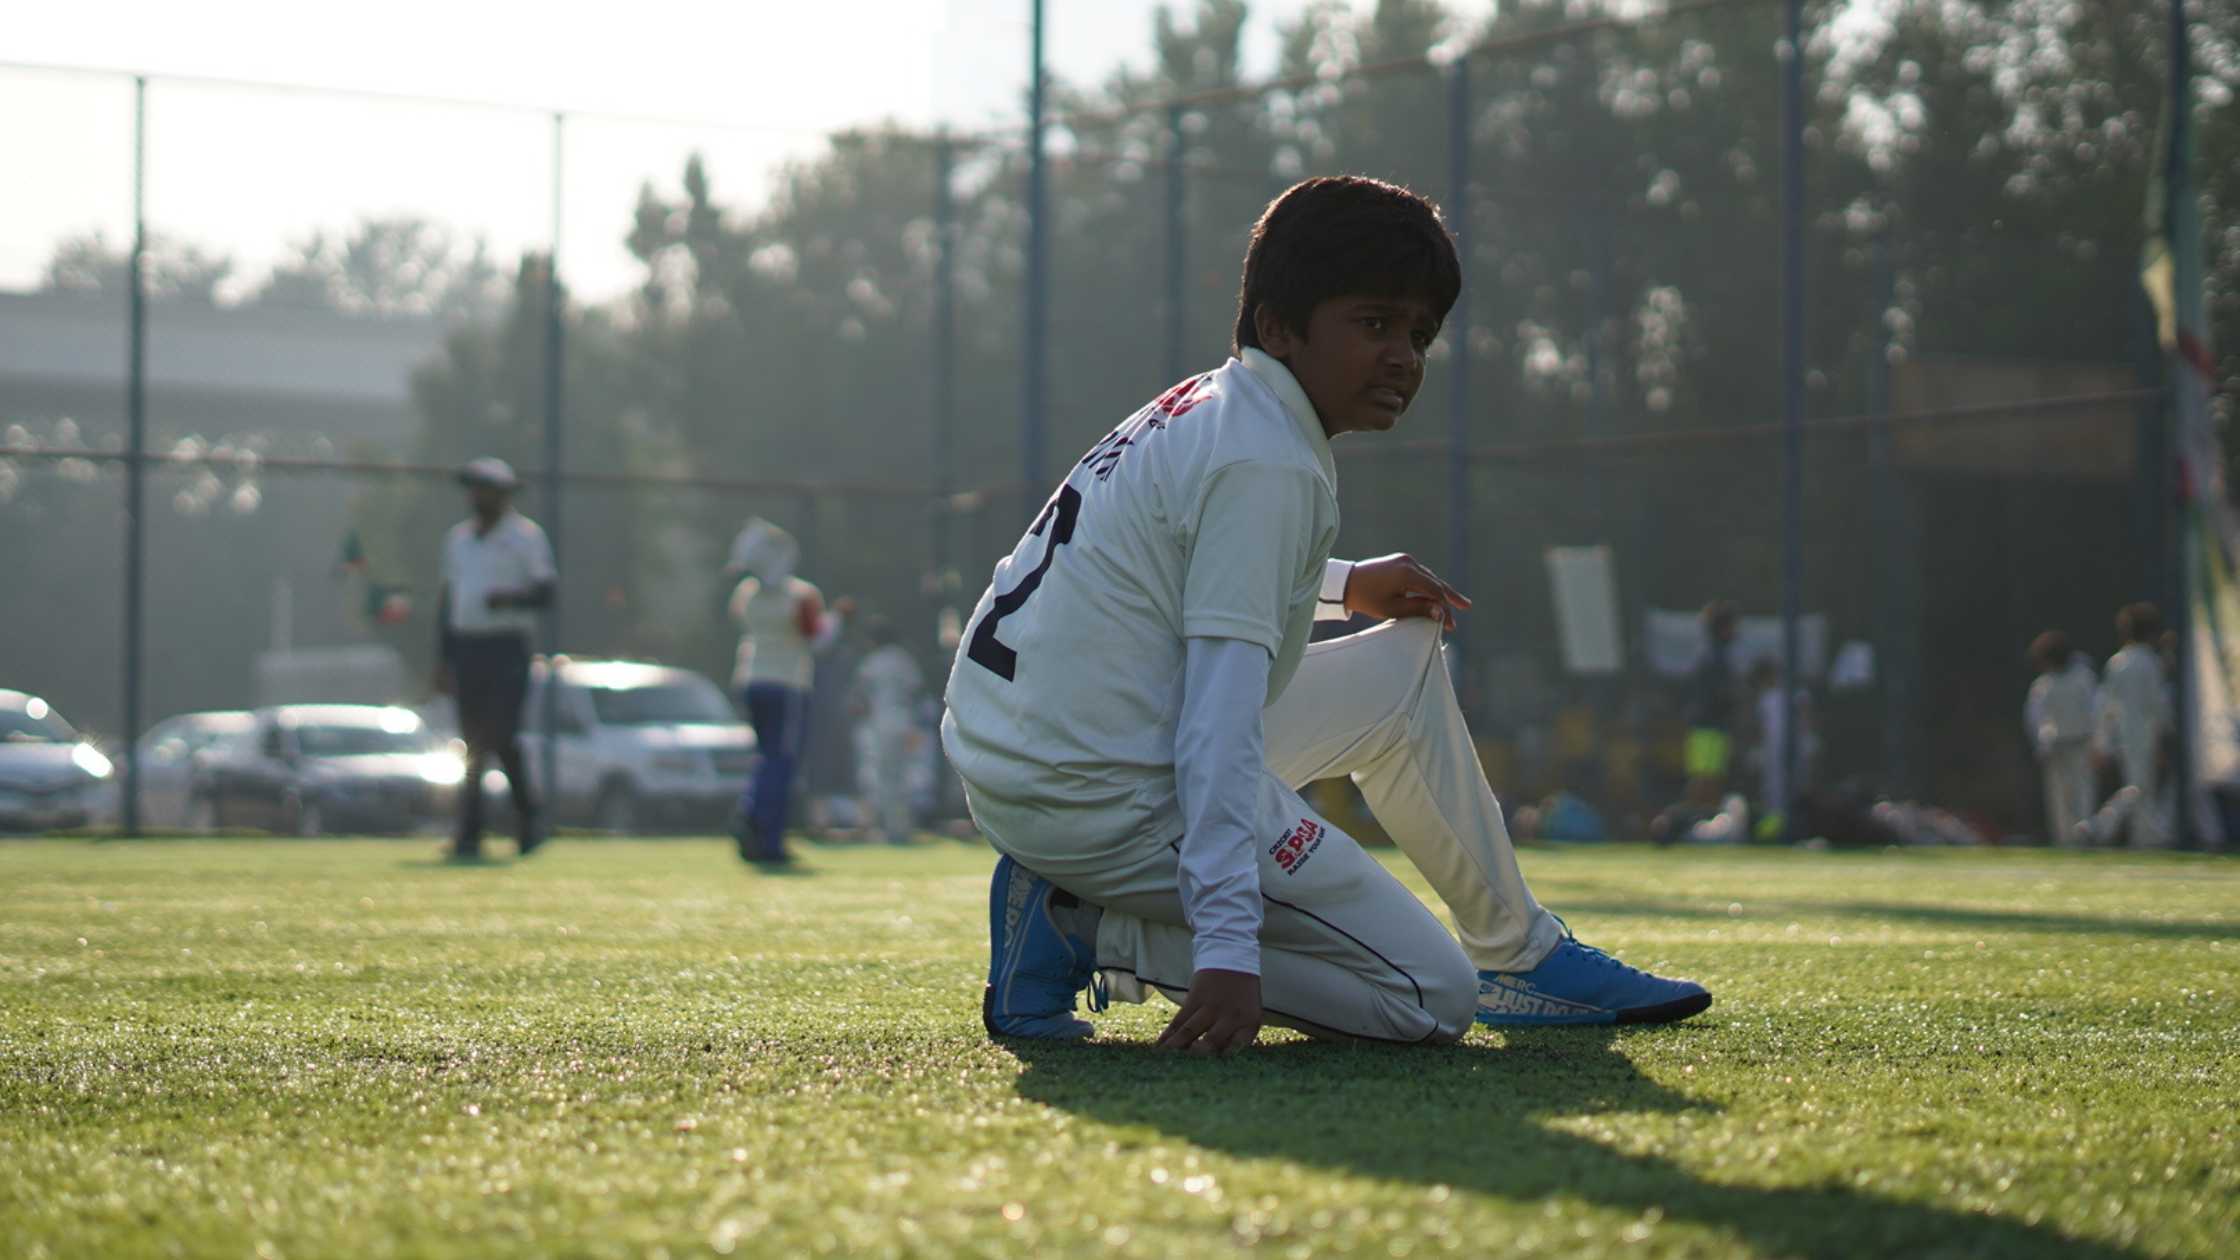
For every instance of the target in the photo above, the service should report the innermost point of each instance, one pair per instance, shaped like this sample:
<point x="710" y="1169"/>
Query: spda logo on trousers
<point x="1292" y="849"/>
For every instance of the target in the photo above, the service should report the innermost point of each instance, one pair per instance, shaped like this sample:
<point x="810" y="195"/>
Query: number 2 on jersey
<point x="986" y="649"/>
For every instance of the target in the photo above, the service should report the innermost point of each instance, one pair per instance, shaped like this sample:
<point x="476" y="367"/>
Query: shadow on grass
<point x="1946" y="916"/>
<point x="1475" y="1117"/>
<point x="455" y="864"/>
<point x="2033" y="921"/>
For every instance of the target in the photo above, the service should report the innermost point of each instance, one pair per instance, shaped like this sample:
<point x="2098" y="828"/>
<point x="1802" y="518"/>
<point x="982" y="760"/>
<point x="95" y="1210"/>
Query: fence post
<point x="1458" y="343"/>
<point x="944" y="366"/>
<point x="1178" y="307"/>
<point x="135" y="469"/>
<point x="555" y="413"/>
<point x="1030" y="408"/>
<point x="1792" y="395"/>
<point x="1891" y="606"/>
<point x="2186" y="539"/>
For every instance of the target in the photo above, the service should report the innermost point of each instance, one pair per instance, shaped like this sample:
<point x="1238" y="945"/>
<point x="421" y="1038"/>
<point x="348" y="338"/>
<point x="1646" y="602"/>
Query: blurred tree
<point x="175" y="269"/>
<point x="399" y="265"/>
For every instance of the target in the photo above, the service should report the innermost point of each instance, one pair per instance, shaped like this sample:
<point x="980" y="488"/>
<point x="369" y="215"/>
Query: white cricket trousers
<point x="884" y="743"/>
<point x="2142" y="806"/>
<point x="1345" y="949"/>
<point x="2070" y="787"/>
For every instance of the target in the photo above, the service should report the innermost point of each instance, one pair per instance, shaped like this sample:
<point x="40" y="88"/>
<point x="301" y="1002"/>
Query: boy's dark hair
<point x="1341" y="235"/>
<point x="880" y="628"/>
<point x="2139" y="623"/>
<point x="2050" y="651"/>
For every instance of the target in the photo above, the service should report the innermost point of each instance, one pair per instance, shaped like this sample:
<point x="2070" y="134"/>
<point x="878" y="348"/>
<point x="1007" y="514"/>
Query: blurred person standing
<point x="783" y="623"/>
<point x="2132" y="726"/>
<point x="884" y="697"/>
<point x="498" y="573"/>
<point x="2059" y="719"/>
<point x="826" y="779"/>
<point x="1773" y="722"/>
<point x="1712" y="704"/>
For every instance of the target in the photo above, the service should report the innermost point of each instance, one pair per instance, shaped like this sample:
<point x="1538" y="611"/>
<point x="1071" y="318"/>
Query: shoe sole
<point x="1661" y="1013"/>
<point x="1667" y="1012"/>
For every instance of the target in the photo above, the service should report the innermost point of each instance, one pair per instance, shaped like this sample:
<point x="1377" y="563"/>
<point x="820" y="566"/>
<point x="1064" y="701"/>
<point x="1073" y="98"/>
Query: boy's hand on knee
<point x="1397" y="586"/>
<point x="1220" y="1014"/>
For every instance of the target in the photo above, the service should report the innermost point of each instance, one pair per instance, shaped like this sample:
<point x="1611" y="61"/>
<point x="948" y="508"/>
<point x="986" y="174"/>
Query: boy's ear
<point x="1275" y="337"/>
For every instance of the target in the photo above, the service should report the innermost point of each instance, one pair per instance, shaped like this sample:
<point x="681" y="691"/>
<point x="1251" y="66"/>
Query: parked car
<point x="638" y="746"/>
<point x="50" y="776"/>
<point x="175" y="756"/>
<point x="312" y="769"/>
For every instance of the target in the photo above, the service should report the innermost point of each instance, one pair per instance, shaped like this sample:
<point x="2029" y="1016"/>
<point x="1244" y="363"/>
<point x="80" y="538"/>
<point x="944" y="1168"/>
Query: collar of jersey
<point x="1268" y="371"/>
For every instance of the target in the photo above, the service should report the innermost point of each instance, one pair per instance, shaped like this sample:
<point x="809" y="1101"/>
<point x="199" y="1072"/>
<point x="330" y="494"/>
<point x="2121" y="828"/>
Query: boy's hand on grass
<point x="1397" y="586"/>
<point x="1220" y="1014"/>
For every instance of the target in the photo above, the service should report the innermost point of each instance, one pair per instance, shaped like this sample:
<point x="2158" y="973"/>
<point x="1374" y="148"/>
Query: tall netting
<point x="62" y="347"/>
<point x="671" y="328"/>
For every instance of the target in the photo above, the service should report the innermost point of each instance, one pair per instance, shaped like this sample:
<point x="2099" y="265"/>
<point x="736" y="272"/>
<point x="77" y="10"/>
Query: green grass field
<point x="237" y="1048"/>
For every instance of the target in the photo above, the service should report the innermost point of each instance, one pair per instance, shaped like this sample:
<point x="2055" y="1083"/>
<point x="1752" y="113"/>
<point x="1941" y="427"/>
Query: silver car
<point x="175" y="756"/>
<point x="314" y="769"/>
<point x="51" y="778"/>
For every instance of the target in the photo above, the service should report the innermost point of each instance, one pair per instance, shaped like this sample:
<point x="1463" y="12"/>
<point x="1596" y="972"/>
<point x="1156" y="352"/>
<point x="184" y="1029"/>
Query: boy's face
<point x="1360" y="359"/>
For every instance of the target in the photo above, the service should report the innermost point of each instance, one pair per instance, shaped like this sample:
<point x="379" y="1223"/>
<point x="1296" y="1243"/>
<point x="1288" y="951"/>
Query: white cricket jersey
<point x="781" y="626"/>
<point x="2134" y="703"/>
<point x="1210" y="513"/>
<point x="2059" y="706"/>
<point x="513" y="556"/>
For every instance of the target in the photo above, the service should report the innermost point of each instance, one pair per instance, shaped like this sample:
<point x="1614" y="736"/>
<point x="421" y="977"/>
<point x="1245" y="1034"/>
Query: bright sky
<point x="249" y="172"/>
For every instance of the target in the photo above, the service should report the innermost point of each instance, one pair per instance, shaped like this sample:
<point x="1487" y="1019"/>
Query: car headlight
<point x="443" y="769"/>
<point x="89" y="759"/>
<point x="678" y="763"/>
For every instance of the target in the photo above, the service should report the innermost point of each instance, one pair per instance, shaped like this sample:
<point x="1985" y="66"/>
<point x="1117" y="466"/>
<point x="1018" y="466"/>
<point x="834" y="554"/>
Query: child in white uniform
<point x="2132" y="727"/>
<point x="1134" y="705"/>
<point x="885" y="701"/>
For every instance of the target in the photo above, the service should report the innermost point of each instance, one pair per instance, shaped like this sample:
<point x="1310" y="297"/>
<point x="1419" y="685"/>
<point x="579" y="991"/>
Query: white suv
<point x="637" y="745"/>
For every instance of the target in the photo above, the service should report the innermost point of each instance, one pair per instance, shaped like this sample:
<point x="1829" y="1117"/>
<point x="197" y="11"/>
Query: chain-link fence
<point x="828" y="331"/>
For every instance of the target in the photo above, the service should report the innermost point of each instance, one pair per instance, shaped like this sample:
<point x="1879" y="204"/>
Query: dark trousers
<point x="780" y="717"/>
<point x="490" y="673"/>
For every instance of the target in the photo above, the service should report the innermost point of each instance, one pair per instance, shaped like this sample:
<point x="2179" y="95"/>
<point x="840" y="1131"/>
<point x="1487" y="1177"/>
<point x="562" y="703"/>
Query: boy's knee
<point x="1450" y="997"/>
<point x="1419" y="634"/>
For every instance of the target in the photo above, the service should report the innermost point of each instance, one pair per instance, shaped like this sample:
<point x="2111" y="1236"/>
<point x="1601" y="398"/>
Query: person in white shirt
<point x="497" y="576"/>
<point x="2058" y="717"/>
<point x="1772" y="720"/>
<point x="884" y="698"/>
<point x="783" y="623"/>
<point x="2132" y="726"/>
<point x="1134" y="704"/>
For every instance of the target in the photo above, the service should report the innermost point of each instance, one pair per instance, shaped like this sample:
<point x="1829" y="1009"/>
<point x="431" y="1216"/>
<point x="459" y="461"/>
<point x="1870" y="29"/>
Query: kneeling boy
<point x="1134" y="702"/>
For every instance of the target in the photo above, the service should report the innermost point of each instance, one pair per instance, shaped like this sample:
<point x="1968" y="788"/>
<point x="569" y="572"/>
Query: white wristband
<point x="1335" y="575"/>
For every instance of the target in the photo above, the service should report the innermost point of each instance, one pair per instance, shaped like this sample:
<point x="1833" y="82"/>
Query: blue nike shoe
<point x="1034" y="967"/>
<point x="1579" y="984"/>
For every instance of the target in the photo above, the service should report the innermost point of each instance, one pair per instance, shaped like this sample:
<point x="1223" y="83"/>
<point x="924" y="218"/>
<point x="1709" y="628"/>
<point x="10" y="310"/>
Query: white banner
<point x="1586" y="600"/>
